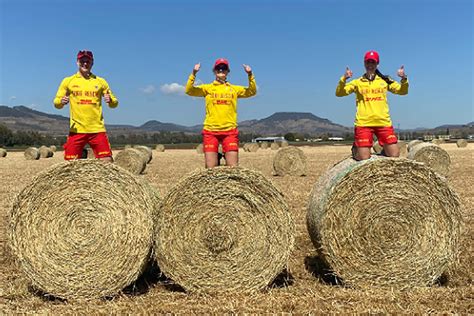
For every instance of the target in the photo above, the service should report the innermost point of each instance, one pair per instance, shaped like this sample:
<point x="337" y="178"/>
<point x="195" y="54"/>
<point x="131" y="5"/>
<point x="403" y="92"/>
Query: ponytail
<point x="384" y="77"/>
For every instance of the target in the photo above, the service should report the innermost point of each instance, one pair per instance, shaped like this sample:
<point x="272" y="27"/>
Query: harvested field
<point x="305" y="288"/>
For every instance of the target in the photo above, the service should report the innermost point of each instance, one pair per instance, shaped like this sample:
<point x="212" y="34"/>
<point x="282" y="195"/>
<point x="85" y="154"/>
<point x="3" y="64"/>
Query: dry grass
<point x="304" y="289"/>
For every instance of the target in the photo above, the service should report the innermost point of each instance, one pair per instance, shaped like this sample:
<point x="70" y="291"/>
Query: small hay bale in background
<point x="148" y="153"/>
<point x="53" y="148"/>
<point x="45" y="152"/>
<point x="127" y="146"/>
<point x="160" y="148"/>
<point x="264" y="145"/>
<point x="245" y="147"/>
<point x="83" y="239"/>
<point x="403" y="148"/>
<point x="253" y="147"/>
<point x="289" y="161"/>
<point x="32" y="153"/>
<point x="437" y="141"/>
<point x="461" y="143"/>
<point x="413" y="143"/>
<point x="377" y="148"/>
<point x="284" y="144"/>
<point x="224" y="229"/>
<point x="131" y="160"/>
<point x="432" y="156"/>
<point x="88" y="153"/>
<point x="199" y="149"/>
<point x="3" y="152"/>
<point x="275" y="146"/>
<point x="385" y="222"/>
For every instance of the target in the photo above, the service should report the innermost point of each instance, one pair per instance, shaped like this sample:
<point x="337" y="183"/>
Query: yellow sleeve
<point x="399" y="88"/>
<point x="250" y="91"/>
<point x="62" y="91"/>
<point x="199" y="91"/>
<point x="106" y="89"/>
<point x="344" y="88"/>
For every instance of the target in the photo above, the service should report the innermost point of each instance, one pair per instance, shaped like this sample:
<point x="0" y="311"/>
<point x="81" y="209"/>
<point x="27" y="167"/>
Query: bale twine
<point x="461" y="143"/>
<point x="413" y="143"/>
<point x="131" y="160"/>
<point x="53" y="148"/>
<point x="289" y="161"/>
<point x="385" y="222"/>
<point x="160" y="148"/>
<point x="275" y="146"/>
<point x="32" y="153"/>
<point x="432" y="156"/>
<point x="284" y="144"/>
<point x="253" y="147"/>
<point x="147" y="152"/>
<point x="3" y="152"/>
<point x="264" y="145"/>
<point x="83" y="239"/>
<point x="377" y="148"/>
<point x="45" y="152"/>
<point x="403" y="148"/>
<point x="199" y="149"/>
<point x="224" y="229"/>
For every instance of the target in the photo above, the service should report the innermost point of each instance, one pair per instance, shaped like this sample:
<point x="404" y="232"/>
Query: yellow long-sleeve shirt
<point x="221" y="101"/>
<point x="85" y="97"/>
<point x="371" y="99"/>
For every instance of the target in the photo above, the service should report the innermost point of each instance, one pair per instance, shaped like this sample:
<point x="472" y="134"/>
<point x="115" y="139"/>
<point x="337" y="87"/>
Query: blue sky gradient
<point x="297" y="49"/>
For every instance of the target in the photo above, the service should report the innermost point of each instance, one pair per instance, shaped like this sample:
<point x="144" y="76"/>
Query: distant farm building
<point x="269" y="139"/>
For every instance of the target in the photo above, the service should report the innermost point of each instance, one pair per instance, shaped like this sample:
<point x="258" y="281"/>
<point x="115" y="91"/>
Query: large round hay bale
<point x="224" y="229"/>
<point x="147" y="152"/>
<point x="385" y="222"/>
<point x="83" y="239"/>
<point x="53" y="148"/>
<point x="160" y="148"/>
<point x="377" y="148"/>
<point x="264" y="145"/>
<point x="32" y="153"/>
<point x="45" y="152"/>
<point x="199" y="149"/>
<point x="3" y="152"/>
<point x="403" y="148"/>
<point x="289" y="161"/>
<point x="413" y="143"/>
<point x="253" y="147"/>
<point x="432" y="156"/>
<point x="284" y="144"/>
<point x="275" y="146"/>
<point x="461" y="143"/>
<point x="131" y="160"/>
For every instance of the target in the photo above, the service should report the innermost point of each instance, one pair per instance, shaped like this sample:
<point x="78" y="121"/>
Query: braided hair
<point x="384" y="77"/>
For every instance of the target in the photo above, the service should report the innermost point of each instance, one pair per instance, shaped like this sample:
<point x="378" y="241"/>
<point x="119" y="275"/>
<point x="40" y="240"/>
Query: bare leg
<point x="361" y="153"/>
<point x="232" y="158"/>
<point x="210" y="159"/>
<point x="391" y="150"/>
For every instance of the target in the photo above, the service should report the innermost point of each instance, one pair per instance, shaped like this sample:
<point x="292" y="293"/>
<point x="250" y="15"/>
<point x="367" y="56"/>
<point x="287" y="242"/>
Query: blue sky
<point x="297" y="49"/>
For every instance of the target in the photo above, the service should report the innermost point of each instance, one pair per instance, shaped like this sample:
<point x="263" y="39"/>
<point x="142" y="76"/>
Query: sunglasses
<point x="221" y="69"/>
<point x="84" y="60"/>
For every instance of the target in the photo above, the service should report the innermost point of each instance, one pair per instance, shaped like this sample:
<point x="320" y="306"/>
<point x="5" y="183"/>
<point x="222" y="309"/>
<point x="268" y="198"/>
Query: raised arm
<point x="190" y="89"/>
<point x="251" y="90"/>
<point x="62" y="96"/>
<point x="402" y="87"/>
<point x="109" y="97"/>
<point x="342" y="88"/>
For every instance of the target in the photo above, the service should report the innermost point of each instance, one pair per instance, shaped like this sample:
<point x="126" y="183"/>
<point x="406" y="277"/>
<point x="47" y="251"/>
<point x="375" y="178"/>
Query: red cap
<point x="85" y="53"/>
<point x="221" y="61"/>
<point x="372" y="55"/>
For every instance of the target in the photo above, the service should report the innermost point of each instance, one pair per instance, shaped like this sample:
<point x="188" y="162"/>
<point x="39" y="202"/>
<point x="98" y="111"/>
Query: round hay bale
<point x="32" y="153"/>
<point x="160" y="148"/>
<point x="432" y="156"/>
<point x="437" y="141"/>
<point x="53" y="148"/>
<point x="3" y="152"/>
<point x="289" y="161"/>
<point x="461" y="143"/>
<point x="147" y="152"/>
<point x="131" y="160"/>
<point x="127" y="146"/>
<point x="264" y="145"/>
<point x="83" y="239"/>
<point x="413" y="143"/>
<point x="224" y="229"/>
<point x="284" y="144"/>
<point x="253" y="147"/>
<point x="403" y="148"/>
<point x="199" y="149"/>
<point x="385" y="222"/>
<point x="275" y="146"/>
<point x="45" y="152"/>
<point x="245" y="147"/>
<point x="377" y="148"/>
<point x="88" y="153"/>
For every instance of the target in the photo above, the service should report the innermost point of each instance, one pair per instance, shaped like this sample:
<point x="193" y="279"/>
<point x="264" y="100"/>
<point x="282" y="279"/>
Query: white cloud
<point x="149" y="89"/>
<point x="12" y="98"/>
<point x="172" y="88"/>
<point x="33" y="106"/>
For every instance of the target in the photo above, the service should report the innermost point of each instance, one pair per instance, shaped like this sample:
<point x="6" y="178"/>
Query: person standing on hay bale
<point x="84" y="91"/>
<point x="220" y="124"/>
<point x="373" y="115"/>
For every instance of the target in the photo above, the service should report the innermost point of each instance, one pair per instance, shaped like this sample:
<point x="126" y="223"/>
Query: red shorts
<point x="363" y="135"/>
<point x="75" y="143"/>
<point x="229" y="140"/>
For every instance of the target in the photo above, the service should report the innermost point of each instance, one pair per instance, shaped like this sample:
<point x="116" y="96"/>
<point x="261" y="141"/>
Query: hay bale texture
<point x="131" y="160"/>
<point x="377" y="148"/>
<point x="53" y="148"/>
<point x="385" y="222"/>
<point x="32" y="153"/>
<point x="284" y="144"/>
<point x="275" y="146"/>
<point x="83" y="239"/>
<point x="289" y="161"/>
<point x="199" y="149"/>
<point x="264" y="145"/>
<point x="403" y="146"/>
<point x="413" y="143"/>
<point x="437" y="141"/>
<point x="461" y="143"/>
<point x="3" y="152"/>
<point x="252" y="147"/>
<point x="160" y="148"/>
<point x="432" y="156"/>
<point x="146" y="151"/>
<point x="45" y="152"/>
<point x="224" y="229"/>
